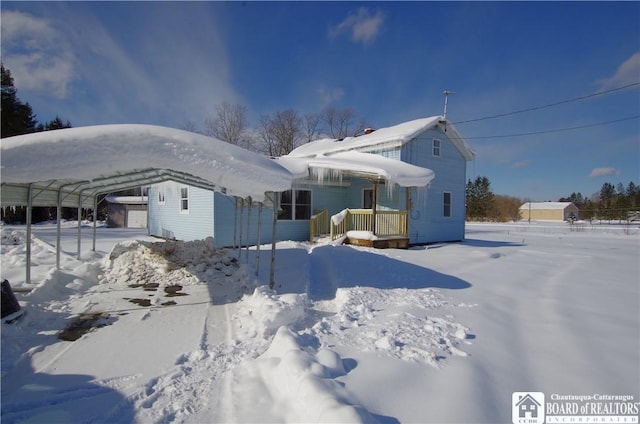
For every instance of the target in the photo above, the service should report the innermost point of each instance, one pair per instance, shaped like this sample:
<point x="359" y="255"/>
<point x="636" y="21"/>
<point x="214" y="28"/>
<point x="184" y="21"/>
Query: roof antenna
<point x="446" y="97"/>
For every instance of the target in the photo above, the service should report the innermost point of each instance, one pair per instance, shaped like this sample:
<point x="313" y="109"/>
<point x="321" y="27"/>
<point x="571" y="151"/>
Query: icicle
<point x="320" y="175"/>
<point x="390" y="189"/>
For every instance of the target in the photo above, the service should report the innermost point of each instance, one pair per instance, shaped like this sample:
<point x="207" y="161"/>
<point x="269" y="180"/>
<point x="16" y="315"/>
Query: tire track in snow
<point x="176" y="395"/>
<point x="198" y="389"/>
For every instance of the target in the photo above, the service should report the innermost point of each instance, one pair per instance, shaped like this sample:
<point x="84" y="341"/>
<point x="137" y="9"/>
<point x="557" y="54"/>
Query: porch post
<point x="407" y="197"/>
<point x="375" y="201"/>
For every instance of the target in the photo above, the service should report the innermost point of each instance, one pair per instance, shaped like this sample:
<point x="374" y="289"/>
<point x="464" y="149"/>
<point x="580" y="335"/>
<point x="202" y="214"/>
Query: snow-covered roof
<point x="545" y="205"/>
<point x="123" y="155"/>
<point x="386" y="138"/>
<point x="353" y="163"/>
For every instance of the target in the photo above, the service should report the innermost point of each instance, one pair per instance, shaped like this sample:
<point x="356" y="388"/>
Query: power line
<point x="556" y="130"/>
<point x="575" y="99"/>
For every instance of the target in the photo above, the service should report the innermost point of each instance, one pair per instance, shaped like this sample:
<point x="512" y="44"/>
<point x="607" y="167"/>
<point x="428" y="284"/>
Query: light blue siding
<point x="428" y="223"/>
<point x="166" y="220"/>
<point x="244" y="218"/>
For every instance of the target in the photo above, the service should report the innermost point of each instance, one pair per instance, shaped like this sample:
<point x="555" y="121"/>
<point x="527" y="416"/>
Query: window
<point x="436" y="147"/>
<point x="184" y="200"/>
<point x="295" y="205"/>
<point x="160" y="196"/>
<point x="446" y="198"/>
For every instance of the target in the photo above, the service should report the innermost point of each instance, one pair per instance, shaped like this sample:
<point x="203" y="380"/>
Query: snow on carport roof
<point x="115" y="157"/>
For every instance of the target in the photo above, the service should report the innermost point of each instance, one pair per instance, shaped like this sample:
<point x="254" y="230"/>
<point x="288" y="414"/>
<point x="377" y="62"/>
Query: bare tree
<point x="190" y="126"/>
<point x="311" y="126"/>
<point x="228" y="124"/>
<point x="341" y="123"/>
<point x="280" y="133"/>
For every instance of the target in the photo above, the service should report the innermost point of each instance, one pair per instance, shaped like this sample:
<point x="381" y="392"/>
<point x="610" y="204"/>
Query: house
<point x="528" y="407"/>
<point x="549" y="211"/>
<point x="126" y="211"/>
<point x="406" y="181"/>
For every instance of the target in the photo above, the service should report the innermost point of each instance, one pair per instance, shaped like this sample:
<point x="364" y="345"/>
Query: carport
<point x="73" y="167"/>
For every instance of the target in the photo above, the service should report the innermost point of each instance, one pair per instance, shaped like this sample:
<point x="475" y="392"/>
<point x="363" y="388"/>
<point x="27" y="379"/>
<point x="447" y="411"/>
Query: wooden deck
<point x="389" y="226"/>
<point x="381" y="243"/>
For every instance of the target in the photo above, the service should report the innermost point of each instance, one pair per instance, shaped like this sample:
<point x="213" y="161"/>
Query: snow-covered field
<point x="185" y="332"/>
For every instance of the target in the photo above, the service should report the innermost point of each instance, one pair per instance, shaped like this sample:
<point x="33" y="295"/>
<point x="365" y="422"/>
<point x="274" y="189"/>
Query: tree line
<point x="280" y="132"/>
<point x="17" y="117"/>
<point x="610" y="203"/>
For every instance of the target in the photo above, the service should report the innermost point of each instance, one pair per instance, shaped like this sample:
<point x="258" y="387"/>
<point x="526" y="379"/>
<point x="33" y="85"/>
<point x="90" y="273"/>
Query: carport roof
<point x="100" y="159"/>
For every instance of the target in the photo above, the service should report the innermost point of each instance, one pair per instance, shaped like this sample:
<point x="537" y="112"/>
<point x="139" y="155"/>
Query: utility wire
<point x="556" y="130"/>
<point x="599" y="93"/>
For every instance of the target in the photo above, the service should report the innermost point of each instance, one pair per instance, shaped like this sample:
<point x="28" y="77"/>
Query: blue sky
<point x="171" y="63"/>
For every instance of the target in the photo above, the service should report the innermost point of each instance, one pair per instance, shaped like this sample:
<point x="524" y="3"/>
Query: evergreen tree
<point x="54" y="124"/>
<point x="633" y="193"/>
<point x="479" y="198"/>
<point x="607" y="199"/>
<point x="17" y="117"/>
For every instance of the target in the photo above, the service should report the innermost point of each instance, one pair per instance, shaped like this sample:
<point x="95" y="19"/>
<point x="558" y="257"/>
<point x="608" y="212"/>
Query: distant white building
<point x="549" y="211"/>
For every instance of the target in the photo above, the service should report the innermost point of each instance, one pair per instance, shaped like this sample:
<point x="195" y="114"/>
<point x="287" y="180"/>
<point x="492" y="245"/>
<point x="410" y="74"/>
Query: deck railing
<point x="318" y="224"/>
<point x="389" y="223"/>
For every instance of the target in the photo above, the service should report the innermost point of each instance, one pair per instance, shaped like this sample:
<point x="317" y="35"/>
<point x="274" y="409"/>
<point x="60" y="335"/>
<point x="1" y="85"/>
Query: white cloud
<point x="156" y="74"/>
<point x="363" y="26"/>
<point x="329" y="95"/>
<point x="603" y="172"/>
<point x="36" y="54"/>
<point x="521" y="164"/>
<point x="627" y="73"/>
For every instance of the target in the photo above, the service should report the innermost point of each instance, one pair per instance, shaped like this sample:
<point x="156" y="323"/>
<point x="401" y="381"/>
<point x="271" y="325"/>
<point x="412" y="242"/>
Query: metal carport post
<point x="28" y="242"/>
<point x="59" y="218"/>
<point x="272" y="279"/>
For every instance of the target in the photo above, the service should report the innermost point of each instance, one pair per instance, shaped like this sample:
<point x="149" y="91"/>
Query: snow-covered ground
<point x="185" y="332"/>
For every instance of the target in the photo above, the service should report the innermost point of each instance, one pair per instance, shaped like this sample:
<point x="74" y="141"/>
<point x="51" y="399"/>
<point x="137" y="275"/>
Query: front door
<point x="367" y="198"/>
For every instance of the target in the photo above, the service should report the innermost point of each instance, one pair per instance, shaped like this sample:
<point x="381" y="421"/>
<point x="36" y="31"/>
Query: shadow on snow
<point x="324" y="269"/>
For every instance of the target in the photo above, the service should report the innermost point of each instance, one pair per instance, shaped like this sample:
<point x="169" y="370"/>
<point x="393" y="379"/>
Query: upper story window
<point x="446" y="201"/>
<point x="295" y="205"/>
<point x="436" y="150"/>
<point x="184" y="200"/>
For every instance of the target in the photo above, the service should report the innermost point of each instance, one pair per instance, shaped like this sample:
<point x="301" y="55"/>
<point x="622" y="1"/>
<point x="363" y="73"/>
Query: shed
<point x="549" y="211"/>
<point x="126" y="211"/>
